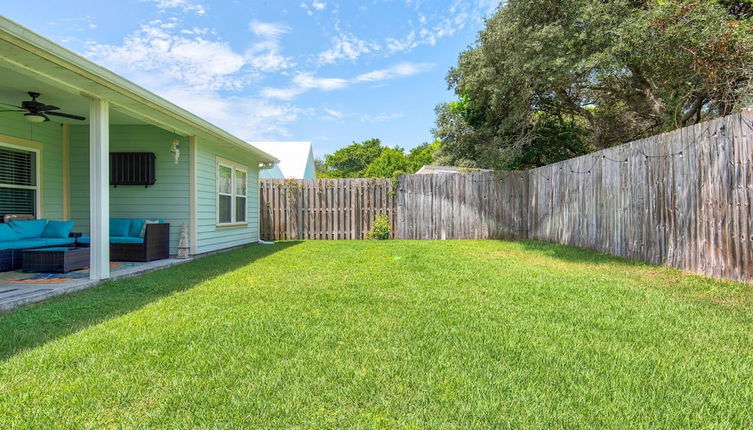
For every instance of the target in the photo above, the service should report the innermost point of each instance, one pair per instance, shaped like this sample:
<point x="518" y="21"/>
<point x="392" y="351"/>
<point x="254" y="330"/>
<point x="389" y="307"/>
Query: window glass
<point x="224" y="178"/>
<point x="240" y="183"/>
<point x="240" y="209"/>
<point x="225" y="209"/>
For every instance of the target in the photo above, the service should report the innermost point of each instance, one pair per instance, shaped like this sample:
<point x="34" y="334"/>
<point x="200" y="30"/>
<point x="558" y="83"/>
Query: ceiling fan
<point x="38" y="112"/>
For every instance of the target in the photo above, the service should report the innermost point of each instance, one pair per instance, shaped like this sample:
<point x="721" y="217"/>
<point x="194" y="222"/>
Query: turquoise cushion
<point x="22" y="244"/>
<point x="120" y="226"/>
<point x="114" y="239"/>
<point x="29" y="229"/>
<point x="126" y="239"/>
<point x="58" y="229"/>
<point x="57" y="241"/>
<point x="136" y="226"/>
<point x="7" y="233"/>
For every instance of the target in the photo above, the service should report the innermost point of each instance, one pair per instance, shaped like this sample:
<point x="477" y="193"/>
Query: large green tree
<point x="371" y="159"/>
<point x="352" y="160"/>
<point x="555" y="78"/>
<point x="391" y="160"/>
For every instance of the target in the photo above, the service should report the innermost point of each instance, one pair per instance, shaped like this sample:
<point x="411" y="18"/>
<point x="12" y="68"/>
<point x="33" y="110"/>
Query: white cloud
<point x="345" y="46"/>
<point x="397" y="71"/>
<point x="246" y="117"/>
<point x="189" y="58"/>
<point x="184" y="5"/>
<point x="268" y="30"/>
<point x="333" y="115"/>
<point x="282" y="93"/>
<point x="309" y="81"/>
<point x="266" y="55"/>
<point x="194" y="69"/>
<point x="426" y="29"/>
<point x="304" y="82"/>
<point x="313" y="5"/>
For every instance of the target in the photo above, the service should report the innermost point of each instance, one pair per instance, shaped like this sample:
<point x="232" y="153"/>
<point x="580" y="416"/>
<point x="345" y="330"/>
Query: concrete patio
<point x="18" y="288"/>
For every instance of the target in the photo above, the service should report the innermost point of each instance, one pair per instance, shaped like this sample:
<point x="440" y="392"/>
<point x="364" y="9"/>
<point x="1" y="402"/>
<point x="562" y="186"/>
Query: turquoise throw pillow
<point x="29" y="229"/>
<point x="120" y="226"/>
<point x="58" y="229"/>
<point x="7" y="233"/>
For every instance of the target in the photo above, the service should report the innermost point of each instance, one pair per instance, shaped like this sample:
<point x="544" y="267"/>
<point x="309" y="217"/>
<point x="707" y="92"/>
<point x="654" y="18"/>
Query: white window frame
<point x="37" y="176"/>
<point x="234" y="167"/>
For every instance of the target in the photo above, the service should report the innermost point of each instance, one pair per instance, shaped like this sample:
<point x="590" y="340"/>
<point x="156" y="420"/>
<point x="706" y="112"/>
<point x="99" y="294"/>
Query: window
<point x="19" y="188"/>
<point x="232" y="186"/>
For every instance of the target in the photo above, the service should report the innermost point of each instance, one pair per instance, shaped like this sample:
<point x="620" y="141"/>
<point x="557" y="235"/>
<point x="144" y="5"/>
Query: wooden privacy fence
<point x="463" y="206"/>
<point x="323" y="208"/>
<point x="683" y="199"/>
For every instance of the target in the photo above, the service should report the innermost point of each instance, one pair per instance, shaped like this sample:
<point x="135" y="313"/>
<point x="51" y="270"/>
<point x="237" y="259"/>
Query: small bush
<point x="381" y="228"/>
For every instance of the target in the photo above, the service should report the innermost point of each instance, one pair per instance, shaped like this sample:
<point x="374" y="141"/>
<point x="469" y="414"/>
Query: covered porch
<point x="60" y="169"/>
<point x="63" y="117"/>
<point x="57" y="167"/>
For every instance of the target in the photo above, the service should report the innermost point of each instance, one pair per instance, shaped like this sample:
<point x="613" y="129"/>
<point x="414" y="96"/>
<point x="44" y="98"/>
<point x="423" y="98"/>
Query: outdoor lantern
<point x="175" y="149"/>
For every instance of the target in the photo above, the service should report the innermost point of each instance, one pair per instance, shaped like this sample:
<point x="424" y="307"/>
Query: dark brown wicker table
<point x="60" y="259"/>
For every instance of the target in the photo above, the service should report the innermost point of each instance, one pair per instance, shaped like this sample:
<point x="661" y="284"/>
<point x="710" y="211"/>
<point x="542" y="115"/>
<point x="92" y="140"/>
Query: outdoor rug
<point x="19" y="277"/>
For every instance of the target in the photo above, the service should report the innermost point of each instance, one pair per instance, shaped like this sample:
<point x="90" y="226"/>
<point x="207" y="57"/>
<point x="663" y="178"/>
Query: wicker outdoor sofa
<point x="127" y="245"/>
<point x="130" y="240"/>
<point x="22" y="232"/>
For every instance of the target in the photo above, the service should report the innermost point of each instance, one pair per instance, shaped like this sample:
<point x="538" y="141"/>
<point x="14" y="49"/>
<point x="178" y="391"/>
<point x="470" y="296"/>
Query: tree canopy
<point x="371" y="159"/>
<point x="552" y="79"/>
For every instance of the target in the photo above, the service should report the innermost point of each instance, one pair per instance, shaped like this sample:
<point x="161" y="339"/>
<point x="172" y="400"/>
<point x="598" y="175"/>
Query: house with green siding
<point x="204" y="177"/>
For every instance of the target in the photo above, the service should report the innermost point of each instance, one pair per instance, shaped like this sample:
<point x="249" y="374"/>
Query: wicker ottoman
<point x="55" y="260"/>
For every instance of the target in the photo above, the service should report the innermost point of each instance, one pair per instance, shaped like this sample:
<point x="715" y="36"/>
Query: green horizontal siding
<point x="209" y="236"/>
<point x="49" y="134"/>
<point x="167" y="199"/>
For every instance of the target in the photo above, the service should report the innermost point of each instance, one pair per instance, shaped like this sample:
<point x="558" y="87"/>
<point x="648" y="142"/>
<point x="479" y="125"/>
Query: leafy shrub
<point x="381" y="228"/>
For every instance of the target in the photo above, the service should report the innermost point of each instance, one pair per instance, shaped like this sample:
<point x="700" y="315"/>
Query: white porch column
<point x="99" y="188"/>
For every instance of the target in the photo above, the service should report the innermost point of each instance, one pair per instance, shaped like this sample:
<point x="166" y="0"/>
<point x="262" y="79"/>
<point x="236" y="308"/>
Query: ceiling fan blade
<point x="46" y="118"/>
<point x="66" y="115"/>
<point x="10" y="105"/>
<point x="12" y="110"/>
<point x="46" y="108"/>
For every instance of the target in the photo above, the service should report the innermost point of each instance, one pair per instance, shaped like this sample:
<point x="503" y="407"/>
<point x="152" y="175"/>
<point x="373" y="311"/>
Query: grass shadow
<point x="37" y="324"/>
<point x="574" y="254"/>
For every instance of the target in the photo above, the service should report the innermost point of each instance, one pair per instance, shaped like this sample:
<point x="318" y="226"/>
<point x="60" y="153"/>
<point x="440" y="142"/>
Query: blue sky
<point x="328" y="71"/>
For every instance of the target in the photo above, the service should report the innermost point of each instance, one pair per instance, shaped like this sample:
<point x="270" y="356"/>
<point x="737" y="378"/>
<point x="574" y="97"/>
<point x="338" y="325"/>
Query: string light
<point x="706" y="133"/>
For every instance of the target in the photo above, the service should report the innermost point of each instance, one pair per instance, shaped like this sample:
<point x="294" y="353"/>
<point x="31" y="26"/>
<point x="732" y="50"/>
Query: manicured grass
<point x="387" y="335"/>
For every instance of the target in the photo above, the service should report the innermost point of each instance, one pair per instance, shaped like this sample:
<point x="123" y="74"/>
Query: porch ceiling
<point x="14" y="87"/>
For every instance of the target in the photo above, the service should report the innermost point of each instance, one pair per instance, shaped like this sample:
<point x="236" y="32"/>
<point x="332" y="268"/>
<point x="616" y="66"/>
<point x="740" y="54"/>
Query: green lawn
<point x="428" y="335"/>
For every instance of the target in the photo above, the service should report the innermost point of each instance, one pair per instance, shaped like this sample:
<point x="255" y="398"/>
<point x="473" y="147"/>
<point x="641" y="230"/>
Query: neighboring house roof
<point x="429" y="170"/>
<point x="296" y="160"/>
<point x="25" y="51"/>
